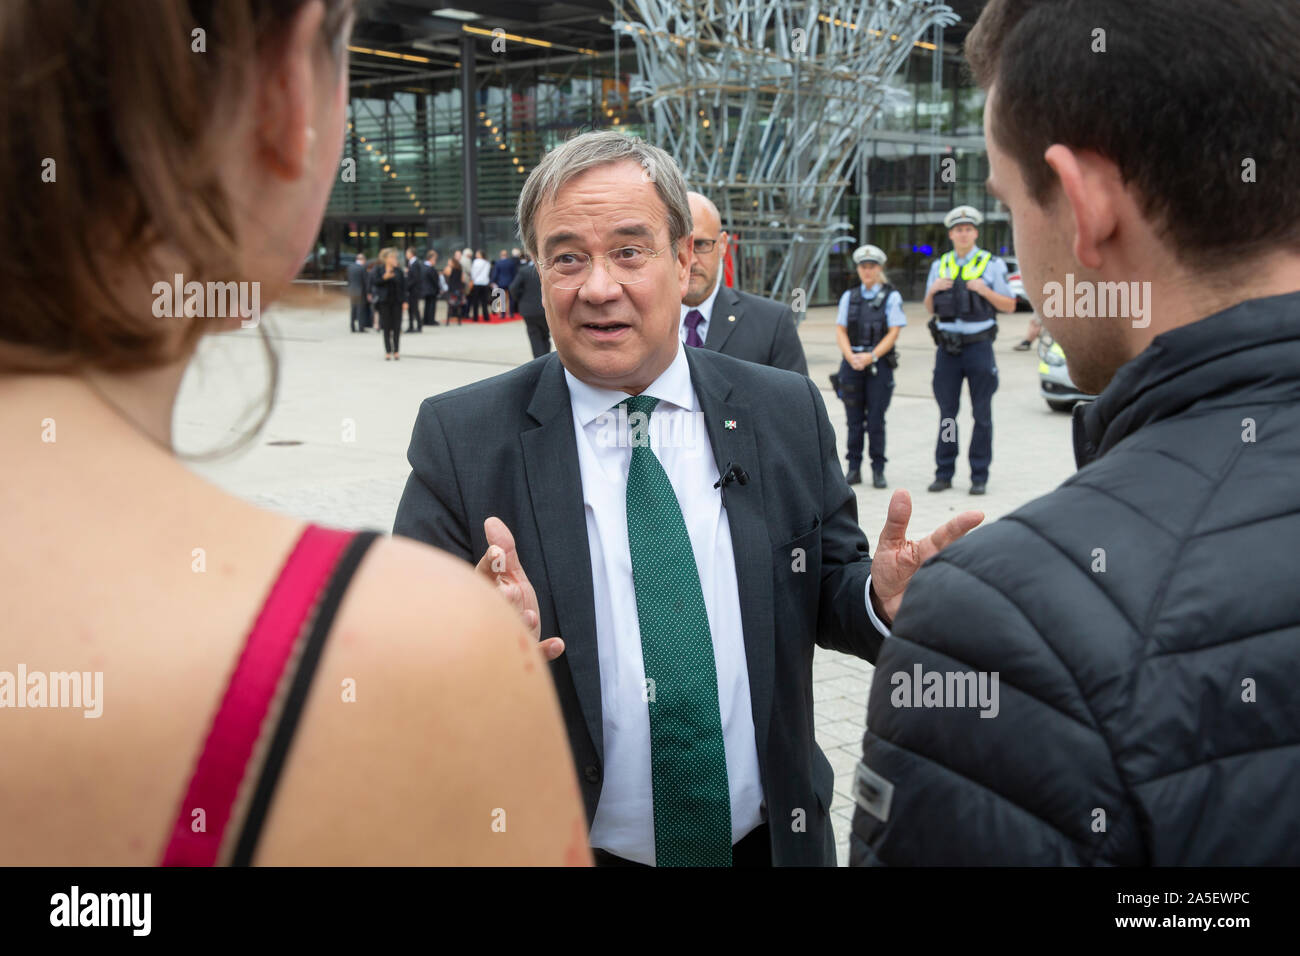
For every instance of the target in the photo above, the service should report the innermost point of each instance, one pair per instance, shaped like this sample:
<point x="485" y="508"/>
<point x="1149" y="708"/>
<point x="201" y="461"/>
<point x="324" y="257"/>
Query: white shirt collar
<point x="705" y="307"/>
<point x="673" y="386"/>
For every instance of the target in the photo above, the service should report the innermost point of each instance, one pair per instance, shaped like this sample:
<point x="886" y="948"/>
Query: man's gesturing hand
<point x="500" y="565"/>
<point x="897" y="559"/>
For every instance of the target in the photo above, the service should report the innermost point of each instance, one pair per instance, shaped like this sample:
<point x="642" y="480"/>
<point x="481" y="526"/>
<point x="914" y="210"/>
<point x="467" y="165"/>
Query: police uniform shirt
<point x="995" y="277"/>
<point x="893" y="309"/>
<point x="705" y="308"/>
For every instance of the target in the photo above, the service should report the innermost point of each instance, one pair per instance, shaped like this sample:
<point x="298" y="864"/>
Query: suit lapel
<point x="748" y="524"/>
<point x="555" y="486"/>
<point x="721" y="322"/>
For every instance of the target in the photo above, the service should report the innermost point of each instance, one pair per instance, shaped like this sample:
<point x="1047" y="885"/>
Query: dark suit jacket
<point x="506" y="447"/>
<point x="391" y="292"/>
<point x="526" y="293"/>
<point x="428" y="279"/>
<point x="415" y="270"/>
<point x="358" y="280"/>
<point x="763" y="331"/>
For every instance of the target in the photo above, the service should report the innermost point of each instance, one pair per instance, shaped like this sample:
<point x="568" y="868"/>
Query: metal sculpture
<point x="764" y="105"/>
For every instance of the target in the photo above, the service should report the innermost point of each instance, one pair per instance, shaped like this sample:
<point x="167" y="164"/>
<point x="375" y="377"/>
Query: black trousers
<point x="866" y="399"/>
<point x="754" y="849"/>
<point x="390" y="320"/>
<point x="413" y="314"/>
<point x="430" y="310"/>
<point x="478" y="302"/>
<point x="978" y="366"/>
<point x="360" y="313"/>
<point x="539" y="336"/>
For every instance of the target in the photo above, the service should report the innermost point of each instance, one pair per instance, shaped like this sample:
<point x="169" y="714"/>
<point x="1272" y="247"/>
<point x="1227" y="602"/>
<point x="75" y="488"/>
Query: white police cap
<point x="962" y="214"/>
<point x="869" y="253"/>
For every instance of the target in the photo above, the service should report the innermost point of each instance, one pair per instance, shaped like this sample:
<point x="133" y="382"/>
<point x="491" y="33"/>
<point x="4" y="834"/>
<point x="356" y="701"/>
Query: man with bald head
<point x="724" y="319"/>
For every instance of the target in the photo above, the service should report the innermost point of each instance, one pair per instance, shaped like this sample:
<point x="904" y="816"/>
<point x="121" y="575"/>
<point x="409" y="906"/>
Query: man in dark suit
<point x="526" y="294"/>
<point x="414" y="289"/>
<point x="358" y="294"/>
<point x="718" y="317"/>
<point x="430" y="288"/>
<point x="503" y="273"/>
<point x="672" y="520"/>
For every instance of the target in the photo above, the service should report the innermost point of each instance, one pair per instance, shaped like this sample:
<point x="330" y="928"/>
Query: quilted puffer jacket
<point x="1111" y="674"/>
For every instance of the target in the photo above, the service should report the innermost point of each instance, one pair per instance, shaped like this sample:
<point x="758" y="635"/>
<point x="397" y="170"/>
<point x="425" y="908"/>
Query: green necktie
<point x="688" y="761"/>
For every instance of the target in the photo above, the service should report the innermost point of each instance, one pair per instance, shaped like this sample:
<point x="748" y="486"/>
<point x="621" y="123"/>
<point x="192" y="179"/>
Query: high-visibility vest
<point x="973" y="269"/>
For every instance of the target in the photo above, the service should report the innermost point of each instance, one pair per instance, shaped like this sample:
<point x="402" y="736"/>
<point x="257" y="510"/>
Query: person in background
<point x="391" y="297"/>
<point x="414" y="289"/>
<point x="966" y="289"/>
<point x="869" y="318"/>
<point x="726" y="320"/>
<point x="526" y="293"/>
<point x="480" y="271"/>
<point x="376" y="268"/>
<point x="189" y="605"/>
<point x="430" y="287"/>
<point x="1031" y="334"/>
<point x="454" y="274"/>
<point x="503" y="273"/>
<point x="359" y="294"/>
<point x="519" y="261"/>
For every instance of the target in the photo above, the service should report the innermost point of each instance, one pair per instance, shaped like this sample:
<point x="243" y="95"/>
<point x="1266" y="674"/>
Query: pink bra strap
<point x="237" y="745"/>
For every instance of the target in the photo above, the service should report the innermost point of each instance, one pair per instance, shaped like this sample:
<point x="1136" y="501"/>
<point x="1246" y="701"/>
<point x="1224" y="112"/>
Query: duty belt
<point x="954" y="342"/>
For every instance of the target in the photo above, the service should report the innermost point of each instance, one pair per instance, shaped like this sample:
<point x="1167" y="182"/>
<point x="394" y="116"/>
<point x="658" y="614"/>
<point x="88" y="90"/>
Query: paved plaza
<point x="334" y="448"/>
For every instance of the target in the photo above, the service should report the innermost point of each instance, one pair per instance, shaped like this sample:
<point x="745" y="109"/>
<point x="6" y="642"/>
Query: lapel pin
<point x="731" y="318"/>
<point x="729" y="424"/>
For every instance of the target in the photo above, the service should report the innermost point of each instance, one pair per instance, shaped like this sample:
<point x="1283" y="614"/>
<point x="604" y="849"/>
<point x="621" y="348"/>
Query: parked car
<point x="1057" y="390"/>
<point x="1017" y="284"/>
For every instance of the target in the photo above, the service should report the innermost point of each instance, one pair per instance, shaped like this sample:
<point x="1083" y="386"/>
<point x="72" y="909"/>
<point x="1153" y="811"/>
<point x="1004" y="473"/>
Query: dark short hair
<point x="1185" y="92"/>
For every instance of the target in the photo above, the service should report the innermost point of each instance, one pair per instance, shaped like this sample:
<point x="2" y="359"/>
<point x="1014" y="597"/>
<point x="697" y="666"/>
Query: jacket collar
<point x="1247" y="353"/>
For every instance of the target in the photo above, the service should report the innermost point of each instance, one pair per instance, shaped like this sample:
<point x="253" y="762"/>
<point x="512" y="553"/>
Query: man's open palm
<point x="897" y="559"/>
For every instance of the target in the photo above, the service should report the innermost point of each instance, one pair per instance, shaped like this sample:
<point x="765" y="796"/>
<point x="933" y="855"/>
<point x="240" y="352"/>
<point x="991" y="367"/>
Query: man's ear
<point x="685" y="252"/>
<point x="286" y="94"/>
<point x="1088" y="182"/>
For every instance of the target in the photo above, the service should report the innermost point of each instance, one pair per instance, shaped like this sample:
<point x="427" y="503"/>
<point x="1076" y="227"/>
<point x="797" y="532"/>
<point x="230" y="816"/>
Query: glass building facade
<point x="404" y="174"/>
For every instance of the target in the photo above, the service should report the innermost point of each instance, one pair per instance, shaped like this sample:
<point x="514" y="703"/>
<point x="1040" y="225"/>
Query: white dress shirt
<point x="479" y="270"/>
<point x="706" y="310"/>
<point x="624" y="821"/>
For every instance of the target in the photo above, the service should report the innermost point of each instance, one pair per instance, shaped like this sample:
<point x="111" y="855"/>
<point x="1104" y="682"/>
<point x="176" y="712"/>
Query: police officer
<point x="870" y="316"/>
<point x="966" y="289"/>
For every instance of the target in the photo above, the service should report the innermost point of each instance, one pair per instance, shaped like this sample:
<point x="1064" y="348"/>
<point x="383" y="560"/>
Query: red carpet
<point x="495" y="319"/>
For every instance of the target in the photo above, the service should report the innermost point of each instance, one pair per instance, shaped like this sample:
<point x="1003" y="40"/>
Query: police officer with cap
<point x="870" y="316"/>
<point x="965" y="291"/>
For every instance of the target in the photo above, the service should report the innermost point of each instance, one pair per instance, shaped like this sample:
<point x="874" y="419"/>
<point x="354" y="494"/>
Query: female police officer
<point x="870" y="316"/>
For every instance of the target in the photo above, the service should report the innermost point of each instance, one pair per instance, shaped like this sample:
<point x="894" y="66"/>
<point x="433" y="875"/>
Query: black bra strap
<point x="323" y="620"/>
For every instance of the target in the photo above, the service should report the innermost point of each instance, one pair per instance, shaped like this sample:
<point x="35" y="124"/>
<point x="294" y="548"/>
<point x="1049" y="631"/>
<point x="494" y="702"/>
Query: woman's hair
<point x="113" y="118"/>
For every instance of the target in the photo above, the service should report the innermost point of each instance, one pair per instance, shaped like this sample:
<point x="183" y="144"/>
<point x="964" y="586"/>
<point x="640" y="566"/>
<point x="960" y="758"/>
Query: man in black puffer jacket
<point x="1111" y="674"/>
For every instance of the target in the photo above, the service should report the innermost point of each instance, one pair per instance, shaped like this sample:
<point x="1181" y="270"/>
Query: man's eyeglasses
<point x="703" y="247"/>
<point x="626" y="265"/>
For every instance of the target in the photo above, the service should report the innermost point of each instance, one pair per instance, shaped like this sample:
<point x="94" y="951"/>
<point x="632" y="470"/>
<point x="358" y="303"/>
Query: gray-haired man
<point x="672" y="520"/>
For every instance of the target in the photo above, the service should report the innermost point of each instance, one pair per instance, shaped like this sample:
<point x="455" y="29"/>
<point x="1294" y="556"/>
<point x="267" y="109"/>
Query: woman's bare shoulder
<point x="432" y="734"/>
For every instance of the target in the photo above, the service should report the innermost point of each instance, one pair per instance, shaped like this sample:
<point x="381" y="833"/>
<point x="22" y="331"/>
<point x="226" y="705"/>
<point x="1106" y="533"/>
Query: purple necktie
<point x="693" y="320"/>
